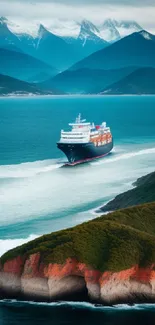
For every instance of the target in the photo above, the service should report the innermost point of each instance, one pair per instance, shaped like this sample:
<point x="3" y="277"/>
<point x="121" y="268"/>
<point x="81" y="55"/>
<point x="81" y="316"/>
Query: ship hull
<point x="79" y="153"/>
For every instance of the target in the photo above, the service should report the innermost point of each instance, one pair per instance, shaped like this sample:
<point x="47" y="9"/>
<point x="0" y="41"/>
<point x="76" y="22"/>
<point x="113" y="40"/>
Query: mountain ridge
<point x="12" y="86"/>
<point x="140" y="81"/>
<point x="86" y="81"/>
<point x="111" y="26"/>
<point x="21" y="65"/>
<point x="132" y="50"/>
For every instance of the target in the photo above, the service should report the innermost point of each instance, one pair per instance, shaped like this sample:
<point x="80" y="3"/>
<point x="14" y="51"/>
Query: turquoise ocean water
<point x="38" y="195"/>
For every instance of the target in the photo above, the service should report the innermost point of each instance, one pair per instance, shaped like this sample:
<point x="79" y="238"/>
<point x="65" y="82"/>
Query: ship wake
<point x="29" y="169"/>
<point x="114" y="156"/>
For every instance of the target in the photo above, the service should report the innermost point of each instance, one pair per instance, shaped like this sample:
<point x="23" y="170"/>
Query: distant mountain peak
<point x="109" y="22"/>
<point x="127" y="24"/>
<point x="109" y="31"/>
<point x="126" y="27"/>
<point x="45" y="33"/>
<point x="88" y="27"/>
<point x="89" y="31"/>
<point x="7" y="38"/>
<point x="42" y="30"/>
<point x="148" y="36"/>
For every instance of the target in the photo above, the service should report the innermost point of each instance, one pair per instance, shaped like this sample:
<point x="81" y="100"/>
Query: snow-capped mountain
<point x="135" y="50"/>
<point x="61" y="52"/>
<point x="14" y="41"/>
<point x="88" y="31"/>
<point x="7" y="38"/>
<point x="89" y="38"/>
<point x="54" y="50"/>
<point x="23" y="27"/>
<point x="126" y="27"/>
<point x="108" y="31"/>
<point x="148" y="36"/>
<point x="113" y="30"/>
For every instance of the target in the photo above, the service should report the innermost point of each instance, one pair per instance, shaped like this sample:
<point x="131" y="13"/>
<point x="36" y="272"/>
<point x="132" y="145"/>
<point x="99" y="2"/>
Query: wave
<point x="29" y="169"/>
<point x="7" y="244"/>
<point x="78" y="305"/>
<point x="124" y="156"/>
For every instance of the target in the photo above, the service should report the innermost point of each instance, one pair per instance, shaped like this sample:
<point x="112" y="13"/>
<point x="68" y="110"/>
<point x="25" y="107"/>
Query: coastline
<point x="73" y="96"/>
<point x="79" y="272"/>
<point x="98" y="212"/>
<point x="140" y="193"/>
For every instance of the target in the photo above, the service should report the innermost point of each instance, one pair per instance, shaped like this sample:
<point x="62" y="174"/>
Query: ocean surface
<point x="39" y="195"/>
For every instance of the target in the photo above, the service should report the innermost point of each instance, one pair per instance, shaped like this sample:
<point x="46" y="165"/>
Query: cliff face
<point x="107" y="260"/>
<point x="30" y="279"/>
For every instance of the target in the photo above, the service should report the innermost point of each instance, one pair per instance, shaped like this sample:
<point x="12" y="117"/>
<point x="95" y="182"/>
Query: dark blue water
<point x="38" y="195"/>
<point x="68" y="314"/>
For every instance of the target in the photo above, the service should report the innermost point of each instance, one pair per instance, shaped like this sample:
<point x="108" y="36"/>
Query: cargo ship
<point x="85" y="141"/>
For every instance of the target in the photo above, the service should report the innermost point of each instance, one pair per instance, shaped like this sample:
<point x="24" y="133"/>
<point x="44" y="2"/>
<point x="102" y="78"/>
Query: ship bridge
<point x="80" y="132"/>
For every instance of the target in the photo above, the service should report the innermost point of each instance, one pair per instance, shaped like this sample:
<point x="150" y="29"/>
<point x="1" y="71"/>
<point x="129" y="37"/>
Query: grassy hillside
<point x="141" y="81"/>
<point x="143" y="193"/>
<point x="113" y="242"/>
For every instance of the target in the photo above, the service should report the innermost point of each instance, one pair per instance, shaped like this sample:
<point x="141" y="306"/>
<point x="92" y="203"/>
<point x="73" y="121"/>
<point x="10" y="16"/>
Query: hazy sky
<point x="143" y="11"/>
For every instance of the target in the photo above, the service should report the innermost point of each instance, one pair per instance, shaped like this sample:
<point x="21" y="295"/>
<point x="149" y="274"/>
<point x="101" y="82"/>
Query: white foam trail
<point x="125" y="156"/>
<point x="66" y="190"/>
<point x="7" y="244"/>
<point x="29" y="169"/>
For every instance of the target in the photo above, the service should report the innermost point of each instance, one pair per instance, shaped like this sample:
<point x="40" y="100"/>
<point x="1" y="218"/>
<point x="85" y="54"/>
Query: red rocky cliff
<point x="32" y="279"/>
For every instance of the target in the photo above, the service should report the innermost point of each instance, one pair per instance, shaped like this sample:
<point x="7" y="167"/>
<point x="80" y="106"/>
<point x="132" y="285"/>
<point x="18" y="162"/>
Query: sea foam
<point x="8" y="244"/>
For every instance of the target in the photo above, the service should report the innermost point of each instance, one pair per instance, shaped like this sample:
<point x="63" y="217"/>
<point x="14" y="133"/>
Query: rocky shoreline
<point x="143" y="192"/>
<point x="75" y="281"/>
<point x="105" y="261"/>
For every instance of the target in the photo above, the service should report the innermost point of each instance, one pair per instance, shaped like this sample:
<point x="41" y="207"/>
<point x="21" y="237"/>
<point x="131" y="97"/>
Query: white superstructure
<point x="83" y="132"/>
<point x="80" y="132"/>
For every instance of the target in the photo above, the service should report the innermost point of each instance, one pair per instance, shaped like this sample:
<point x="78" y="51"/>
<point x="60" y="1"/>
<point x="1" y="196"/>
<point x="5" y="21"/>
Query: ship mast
<point x="78" y="119"/>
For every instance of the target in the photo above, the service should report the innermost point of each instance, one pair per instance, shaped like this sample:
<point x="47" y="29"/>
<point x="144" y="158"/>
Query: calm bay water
<point x="38" y="195"/>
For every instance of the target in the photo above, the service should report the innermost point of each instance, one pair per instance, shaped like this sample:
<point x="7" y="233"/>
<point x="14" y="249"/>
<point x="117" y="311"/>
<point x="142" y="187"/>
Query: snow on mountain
<point x="126" y="27"/>
<point x="112" y="30"/>
<point x="108" y="31"/>
<point x="147" y="36"/>
<point x="42" y="31"/>
<point x="7" y="38"/>
<point x="23" y="27"/>
<point x="88" y="31"/>
<point x="89" y="40"/>
<point x="64" y="28"/>
<point x="55" y="26"/>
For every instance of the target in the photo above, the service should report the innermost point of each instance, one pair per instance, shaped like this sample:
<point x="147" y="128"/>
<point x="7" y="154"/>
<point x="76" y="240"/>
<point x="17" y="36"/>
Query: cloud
<point x="135" y="3"/>
<point x="52" y="12"/>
